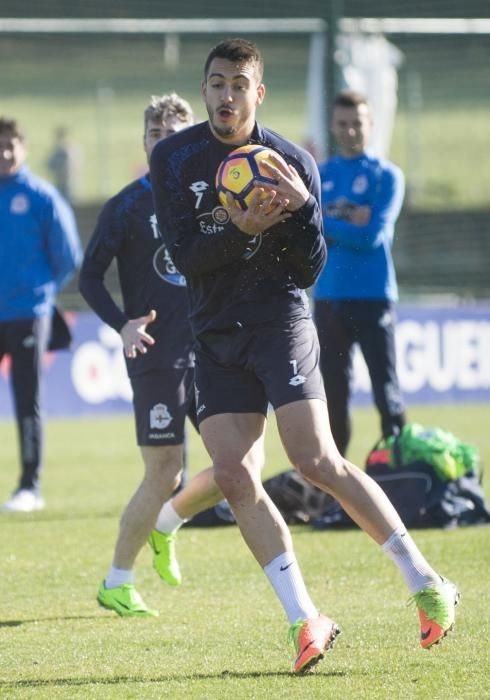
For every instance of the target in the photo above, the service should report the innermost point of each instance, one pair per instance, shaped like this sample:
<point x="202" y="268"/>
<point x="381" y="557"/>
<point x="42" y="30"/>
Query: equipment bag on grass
<point x="432" y="478"/>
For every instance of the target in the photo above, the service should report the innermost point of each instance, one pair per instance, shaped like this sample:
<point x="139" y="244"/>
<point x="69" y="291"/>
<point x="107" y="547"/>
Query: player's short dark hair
<point x="162" y="107"/>
<point x="10" y="126"/>
<point x="349" y="98"/>
<point x="238" y="51"/>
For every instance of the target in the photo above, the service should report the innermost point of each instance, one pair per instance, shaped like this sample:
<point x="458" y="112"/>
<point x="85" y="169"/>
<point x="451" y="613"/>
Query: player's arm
<point x="385" y="208"/>
<point x="192" y="252"/>
<point x="101" y="250"/>
<point x="304" y="248"/>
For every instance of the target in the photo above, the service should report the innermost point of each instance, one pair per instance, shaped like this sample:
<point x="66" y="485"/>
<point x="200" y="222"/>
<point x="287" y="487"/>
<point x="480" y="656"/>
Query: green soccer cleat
<point x="164" y="559"/>
<point x="311" y="639"/>
<point x="125" y="600"/>
<point x="436" y="606"/>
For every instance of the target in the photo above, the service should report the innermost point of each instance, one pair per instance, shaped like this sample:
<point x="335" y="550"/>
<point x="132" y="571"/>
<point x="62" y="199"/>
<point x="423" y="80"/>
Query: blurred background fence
<point x="90" y="89"/>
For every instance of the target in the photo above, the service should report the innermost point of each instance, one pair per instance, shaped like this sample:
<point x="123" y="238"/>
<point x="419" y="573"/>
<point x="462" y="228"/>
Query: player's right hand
<point x="134" y="335"/>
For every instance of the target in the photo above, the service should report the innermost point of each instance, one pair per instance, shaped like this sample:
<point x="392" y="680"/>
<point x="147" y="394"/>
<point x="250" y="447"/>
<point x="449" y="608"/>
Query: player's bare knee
<point x="325" y="471"/>
<point x="232" y="480"/>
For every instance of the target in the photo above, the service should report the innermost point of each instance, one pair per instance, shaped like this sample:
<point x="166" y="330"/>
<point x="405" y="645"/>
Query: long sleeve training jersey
<point x="39" y="245"/>
<point x="127" y="232"/>
<point x="360" y="264"/>
<point x="234" y="279"/>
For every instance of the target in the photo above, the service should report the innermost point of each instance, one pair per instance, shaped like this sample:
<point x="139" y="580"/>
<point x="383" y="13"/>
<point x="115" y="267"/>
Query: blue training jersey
<point x="127" y="232"/>
<point x="233" y="279"/>
<point x="360" y="264"/>
<point x="39" y="245"/>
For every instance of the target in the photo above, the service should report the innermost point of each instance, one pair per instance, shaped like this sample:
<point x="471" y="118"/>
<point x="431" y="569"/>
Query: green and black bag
<point x="432" y="478"/>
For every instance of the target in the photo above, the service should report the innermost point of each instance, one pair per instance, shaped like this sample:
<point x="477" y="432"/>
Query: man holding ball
<point x="246" y="272"/>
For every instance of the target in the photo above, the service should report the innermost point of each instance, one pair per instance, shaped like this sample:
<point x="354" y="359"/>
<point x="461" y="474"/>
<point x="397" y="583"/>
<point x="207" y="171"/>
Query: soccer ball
<point x="239" y="169"/>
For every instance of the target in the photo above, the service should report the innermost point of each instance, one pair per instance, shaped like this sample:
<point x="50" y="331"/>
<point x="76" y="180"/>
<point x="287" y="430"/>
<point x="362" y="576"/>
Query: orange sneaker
<point x="435" y="606"/>
<point x="311" y="639"/>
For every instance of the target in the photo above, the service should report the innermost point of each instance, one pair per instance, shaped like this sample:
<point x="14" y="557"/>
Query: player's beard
<point x="225" y="131"/>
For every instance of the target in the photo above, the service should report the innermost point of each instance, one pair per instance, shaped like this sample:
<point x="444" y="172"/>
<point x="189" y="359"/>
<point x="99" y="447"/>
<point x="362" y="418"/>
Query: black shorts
<point x="244" y="369"/>
<point x="161" y="401"/>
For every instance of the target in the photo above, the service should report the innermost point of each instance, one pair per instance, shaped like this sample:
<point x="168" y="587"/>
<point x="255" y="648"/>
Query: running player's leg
<point x="159" y="409"/>
<point x="302" y="419"/>
<point x="195" y="496"/>
<point x="312" y="451"/>
<point x="200" y="493"/>
<point x="163" y="465"/>
<point x="234" y="442"/>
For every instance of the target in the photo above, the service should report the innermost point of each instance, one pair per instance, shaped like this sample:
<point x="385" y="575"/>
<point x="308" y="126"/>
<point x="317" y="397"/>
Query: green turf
<point x="221" y="634"/>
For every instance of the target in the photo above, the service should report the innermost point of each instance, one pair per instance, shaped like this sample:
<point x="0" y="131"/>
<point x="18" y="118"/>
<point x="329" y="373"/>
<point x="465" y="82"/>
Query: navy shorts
<point x="162" y="400"/>
<point x="244" y="369"/>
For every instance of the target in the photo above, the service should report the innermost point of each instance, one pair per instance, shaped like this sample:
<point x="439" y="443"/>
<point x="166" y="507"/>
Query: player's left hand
<point x="289" y="184"/>
<point x="265" y="209"/>
<point x="134" y="335"/>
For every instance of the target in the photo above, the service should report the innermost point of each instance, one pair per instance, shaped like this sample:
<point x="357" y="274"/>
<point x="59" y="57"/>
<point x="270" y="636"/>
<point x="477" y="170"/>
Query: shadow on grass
<point x="18" y="623"/>
<point x="74" y="682"/>
<point x="54" y="517"/>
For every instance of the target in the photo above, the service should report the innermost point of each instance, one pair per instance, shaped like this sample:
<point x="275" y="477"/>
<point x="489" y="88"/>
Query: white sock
<point x="117" y="577"/>
<point x="414" y="568"/>
<point x="168" y="520"/>
<point x="285" y="576"/>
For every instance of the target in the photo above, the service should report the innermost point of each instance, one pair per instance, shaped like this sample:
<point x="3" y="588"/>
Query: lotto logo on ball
<point x="241" y="171"/>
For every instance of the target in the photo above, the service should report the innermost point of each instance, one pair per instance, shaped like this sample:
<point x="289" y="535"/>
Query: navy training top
<point x="127" y="231"/>
<point x="233" y="279"/>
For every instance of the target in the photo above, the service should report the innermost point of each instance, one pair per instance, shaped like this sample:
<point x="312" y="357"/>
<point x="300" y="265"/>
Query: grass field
<point x="222" y="634"/>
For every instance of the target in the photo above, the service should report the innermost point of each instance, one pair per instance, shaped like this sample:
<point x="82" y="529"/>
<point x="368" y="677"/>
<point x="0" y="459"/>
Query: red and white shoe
<point x="312" y="638"/>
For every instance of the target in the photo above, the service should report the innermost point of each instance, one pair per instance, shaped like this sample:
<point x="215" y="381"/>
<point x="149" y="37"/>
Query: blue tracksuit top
<point x="359" y="264"/>
<point x="39" y="245"/>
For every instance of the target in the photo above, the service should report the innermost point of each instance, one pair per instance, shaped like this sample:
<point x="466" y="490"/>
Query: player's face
<point x="158" y="130"/>
<point x="232" y="93"/>
<point x="351" y="128"/>
<point x="12" y="153"/>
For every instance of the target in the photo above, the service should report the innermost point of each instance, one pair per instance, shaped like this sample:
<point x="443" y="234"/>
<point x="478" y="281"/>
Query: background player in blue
<point x="361" y="199"/>
<point x="39" y="252"/>
<point x="159" y="361"/>
<point x="256" y="343"/>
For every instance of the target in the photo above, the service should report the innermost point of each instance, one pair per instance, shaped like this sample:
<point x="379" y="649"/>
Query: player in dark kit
<point x="256" y="342"/>
<point x="159" y="363"/>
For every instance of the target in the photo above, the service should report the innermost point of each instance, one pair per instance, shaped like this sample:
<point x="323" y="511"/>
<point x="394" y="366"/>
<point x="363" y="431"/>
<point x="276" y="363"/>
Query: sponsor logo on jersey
<point x="160" y="416"/>
<point x="360" y="184"/>
<point x="211" y="222"/>
<point x="165" y="269"/>
<point x="19" y="204"/>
